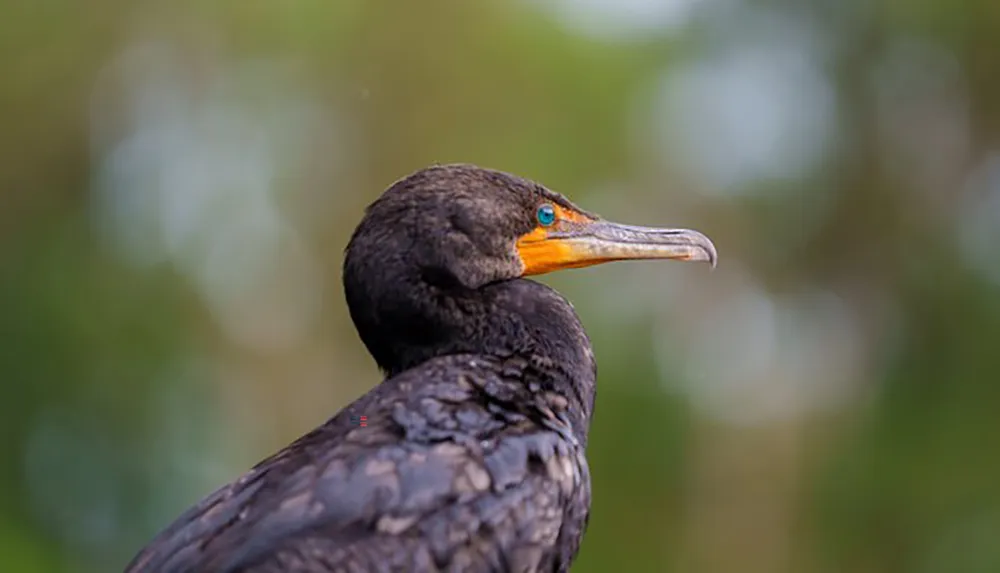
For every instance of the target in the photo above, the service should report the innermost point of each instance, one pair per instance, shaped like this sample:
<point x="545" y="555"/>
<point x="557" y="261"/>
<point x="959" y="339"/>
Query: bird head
<point x="468" y="226"/>
<point x="433" y="266"/>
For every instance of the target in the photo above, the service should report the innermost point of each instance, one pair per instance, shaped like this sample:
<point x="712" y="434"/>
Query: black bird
<point x="471" y="456"/>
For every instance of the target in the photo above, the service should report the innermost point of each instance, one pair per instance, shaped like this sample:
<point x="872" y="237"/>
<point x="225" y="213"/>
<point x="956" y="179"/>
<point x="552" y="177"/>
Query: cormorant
<point x="469" y="455"/>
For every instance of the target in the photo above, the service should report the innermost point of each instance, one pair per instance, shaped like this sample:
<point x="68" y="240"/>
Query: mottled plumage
<point x="473" y="454"/>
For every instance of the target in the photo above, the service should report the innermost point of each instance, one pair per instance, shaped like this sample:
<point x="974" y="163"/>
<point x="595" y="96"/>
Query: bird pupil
<point x="546" y="215"/>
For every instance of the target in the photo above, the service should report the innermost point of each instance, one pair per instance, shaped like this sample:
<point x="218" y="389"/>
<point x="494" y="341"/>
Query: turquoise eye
<point x="546" y="215"/>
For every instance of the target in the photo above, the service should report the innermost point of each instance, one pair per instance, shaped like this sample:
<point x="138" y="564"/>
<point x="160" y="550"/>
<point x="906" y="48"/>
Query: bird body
<point x="472" y="455"/>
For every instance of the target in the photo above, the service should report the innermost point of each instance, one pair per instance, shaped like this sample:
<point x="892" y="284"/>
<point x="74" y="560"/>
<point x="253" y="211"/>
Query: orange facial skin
<point x="542" y="253"/>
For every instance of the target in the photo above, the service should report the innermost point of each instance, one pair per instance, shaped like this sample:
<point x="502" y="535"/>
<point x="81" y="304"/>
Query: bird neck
<point x="404" y="323"/>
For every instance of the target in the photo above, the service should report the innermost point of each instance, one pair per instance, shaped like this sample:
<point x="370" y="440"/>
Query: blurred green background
<point x="178" y="181"/>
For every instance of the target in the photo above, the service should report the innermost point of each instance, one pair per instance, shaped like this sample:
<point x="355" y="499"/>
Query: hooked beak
<point x="584" y="242"/>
